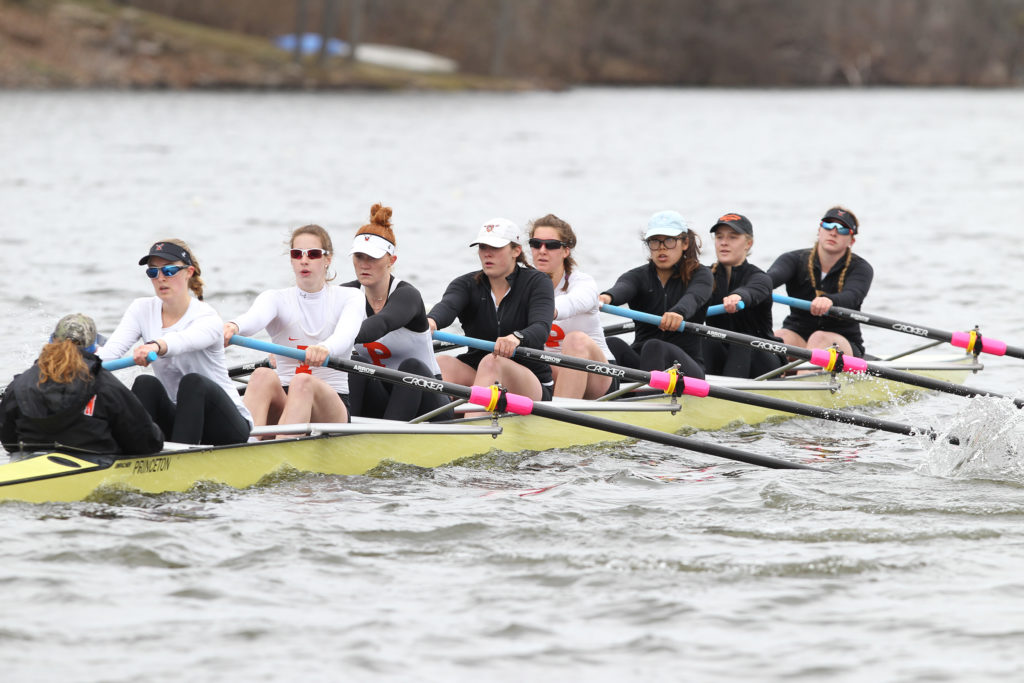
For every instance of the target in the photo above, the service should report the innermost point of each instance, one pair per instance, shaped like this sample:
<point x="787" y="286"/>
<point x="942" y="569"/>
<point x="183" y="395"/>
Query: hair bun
<point x="380" y="215"/>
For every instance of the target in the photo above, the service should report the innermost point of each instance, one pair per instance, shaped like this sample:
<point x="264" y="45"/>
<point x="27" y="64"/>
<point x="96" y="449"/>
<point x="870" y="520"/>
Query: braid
<point x="812" y="257"/>
<point x="846" y="266"/>
<point x="714" y="280"/>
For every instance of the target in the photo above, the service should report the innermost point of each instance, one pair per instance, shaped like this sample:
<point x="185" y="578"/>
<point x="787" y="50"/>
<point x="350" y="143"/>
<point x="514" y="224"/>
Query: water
<point x="607" y="563"/>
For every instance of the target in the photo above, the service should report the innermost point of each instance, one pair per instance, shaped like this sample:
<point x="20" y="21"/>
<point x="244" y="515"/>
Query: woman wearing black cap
<point x="738" y="280"/>
<point x="67" y="401"/>
<point x="827" y="274"/>
<point x="191" y="396"/>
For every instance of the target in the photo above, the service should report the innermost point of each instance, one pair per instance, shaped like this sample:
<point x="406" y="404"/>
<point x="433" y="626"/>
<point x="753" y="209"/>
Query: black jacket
<point x="754" y="287"/>
<point x="790" y="269"/>
<point x="528" y="307"/>
<point x="641" y="290"/>
<point x="95" y="416"/>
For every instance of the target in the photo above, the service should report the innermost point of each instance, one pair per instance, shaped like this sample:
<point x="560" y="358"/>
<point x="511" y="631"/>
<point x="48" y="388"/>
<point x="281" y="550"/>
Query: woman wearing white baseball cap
<point x="395" y="333"/>
<point x="672" y="284"/>
<point x="507" y="302"/>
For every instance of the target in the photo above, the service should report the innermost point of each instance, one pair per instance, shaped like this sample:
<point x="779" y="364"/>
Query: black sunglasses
<point x="550" y="245"/>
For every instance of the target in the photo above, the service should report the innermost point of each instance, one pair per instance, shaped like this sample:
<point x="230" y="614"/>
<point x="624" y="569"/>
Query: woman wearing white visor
<point x="395" y="333"/>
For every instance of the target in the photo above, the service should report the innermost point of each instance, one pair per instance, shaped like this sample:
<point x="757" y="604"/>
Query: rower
<point x="508" y="302"/>
<point x="67" y="401"/>
<point x="673" y="285"/>
<point x="827" y="274"/>
<point x="576" y="330"/>
<point x="311" y="316"/>
<point x="738" y="281"/>
<point x="395" y="333"/>
<point x="191" y="396"/>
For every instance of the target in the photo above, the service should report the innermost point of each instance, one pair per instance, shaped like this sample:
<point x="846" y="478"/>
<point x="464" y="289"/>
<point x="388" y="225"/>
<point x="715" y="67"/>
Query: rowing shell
<point x="359" y="447"/>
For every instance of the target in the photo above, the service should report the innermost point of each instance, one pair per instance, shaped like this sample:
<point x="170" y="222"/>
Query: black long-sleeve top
<point x="98" y="415"/>
<point x="754" y="287"/>
<point x="641" y="290"/>
<point x="527" y="307"/>
<point x="790" y="269"/>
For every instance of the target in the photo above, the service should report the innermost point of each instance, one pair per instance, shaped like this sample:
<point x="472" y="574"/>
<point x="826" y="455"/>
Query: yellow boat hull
<point x="63" y="477"/>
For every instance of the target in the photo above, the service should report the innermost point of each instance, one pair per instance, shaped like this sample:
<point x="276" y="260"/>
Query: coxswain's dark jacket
<point x="641" y="289"/>
<point x="790" y="269"/>
<point x="754" y="287"/>
<point x="95" y="416"/>
<point x="528" y="307"/>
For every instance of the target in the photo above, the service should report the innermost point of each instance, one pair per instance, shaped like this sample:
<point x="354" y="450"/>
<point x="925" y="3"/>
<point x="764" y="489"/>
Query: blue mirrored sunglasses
<point x="168" y="271"/>
<point x="838" y="227"/>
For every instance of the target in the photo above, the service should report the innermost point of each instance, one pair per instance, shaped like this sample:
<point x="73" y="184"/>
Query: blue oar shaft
<point x="719" y="309"/>
<point x="963" y="340"/>
<point x="126" y="362"/>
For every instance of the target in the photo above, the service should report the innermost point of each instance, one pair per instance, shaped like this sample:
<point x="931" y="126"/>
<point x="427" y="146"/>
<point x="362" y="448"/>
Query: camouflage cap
<point x="76" y="327"/>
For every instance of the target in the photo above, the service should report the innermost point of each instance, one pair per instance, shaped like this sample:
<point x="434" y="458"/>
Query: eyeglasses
<point x="838" y="227"/>
<point x="168" y="271"/>
<point x="654" y="243"/>
<point x="550" y="245"/>
<point x="313" y="254"/>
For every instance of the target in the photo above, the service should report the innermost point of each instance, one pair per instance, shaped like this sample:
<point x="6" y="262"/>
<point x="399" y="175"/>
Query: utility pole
<point x="300" y="28"/>
<point x="355" y="27"/>
<point x="501" y="29"/>
<point x="327" y="32"/>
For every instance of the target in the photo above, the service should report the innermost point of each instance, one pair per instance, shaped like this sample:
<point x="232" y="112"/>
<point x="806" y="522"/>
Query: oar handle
<point x="719" y="309"/>
<point x="126" y="362"/>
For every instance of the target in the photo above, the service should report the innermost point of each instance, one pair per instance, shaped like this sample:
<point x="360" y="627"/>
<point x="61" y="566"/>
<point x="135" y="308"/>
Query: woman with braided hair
<point x="828" y="274"/>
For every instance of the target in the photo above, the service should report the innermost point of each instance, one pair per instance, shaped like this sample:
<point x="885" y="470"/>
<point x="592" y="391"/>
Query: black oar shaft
<point x="955" y="338"/>
<point x="727" y="394"/>
<point x="536" y="407"/>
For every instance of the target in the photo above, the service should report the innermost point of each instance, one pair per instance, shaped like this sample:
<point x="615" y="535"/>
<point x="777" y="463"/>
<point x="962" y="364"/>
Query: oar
<point x="691" y="386"/>
<point x="972" y="341"/>
<point x="496" y="400"/>
<point x="247" y="368"/>
<point x="126" y="362"/>
<point x="720" y="309"/>
<point x="828" y="359"/>
<point x="609" y="331"/>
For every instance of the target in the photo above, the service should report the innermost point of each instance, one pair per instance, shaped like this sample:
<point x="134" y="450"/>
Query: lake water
<point x="626" y="562"/>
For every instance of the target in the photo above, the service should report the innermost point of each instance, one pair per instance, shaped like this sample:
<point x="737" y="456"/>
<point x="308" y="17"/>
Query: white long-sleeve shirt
<point x="292" y="317"/>
<point x="577" y="310"/>
<point x="195" y="343"/>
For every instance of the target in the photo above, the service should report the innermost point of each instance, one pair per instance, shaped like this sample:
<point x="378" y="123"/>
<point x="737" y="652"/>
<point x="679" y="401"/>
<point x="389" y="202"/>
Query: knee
<point x="263" y="377"/>
<point x="145" y="383"/>
<point x="489" y="364"/>
<point x="575" y="344"/>
<point x="301" y="383"/>
<point x="414" y="366"/>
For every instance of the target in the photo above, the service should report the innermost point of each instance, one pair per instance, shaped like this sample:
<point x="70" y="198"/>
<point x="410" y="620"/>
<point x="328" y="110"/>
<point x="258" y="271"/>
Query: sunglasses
<point x="168" y="271"/>
<point x="838" y="227"/>
<point x="661" y="242"/>
<point x="550" y="245"/>
<point x="313" y="254"/>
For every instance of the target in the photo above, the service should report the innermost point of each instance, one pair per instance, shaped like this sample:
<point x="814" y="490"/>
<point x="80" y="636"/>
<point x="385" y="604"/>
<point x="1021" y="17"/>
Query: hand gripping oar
<point x="972" y="341"/>
<point x="493" y="399"/>
<point x="829" y="359"/>
<point x="670" y="382"/>
<point x="127" y="361"/>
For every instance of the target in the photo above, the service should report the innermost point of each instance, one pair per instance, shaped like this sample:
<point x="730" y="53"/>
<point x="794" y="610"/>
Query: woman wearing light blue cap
<point x="672" y="284"/>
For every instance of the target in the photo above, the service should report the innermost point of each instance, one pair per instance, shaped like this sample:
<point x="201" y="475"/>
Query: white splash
<point x="991" y="433"/>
